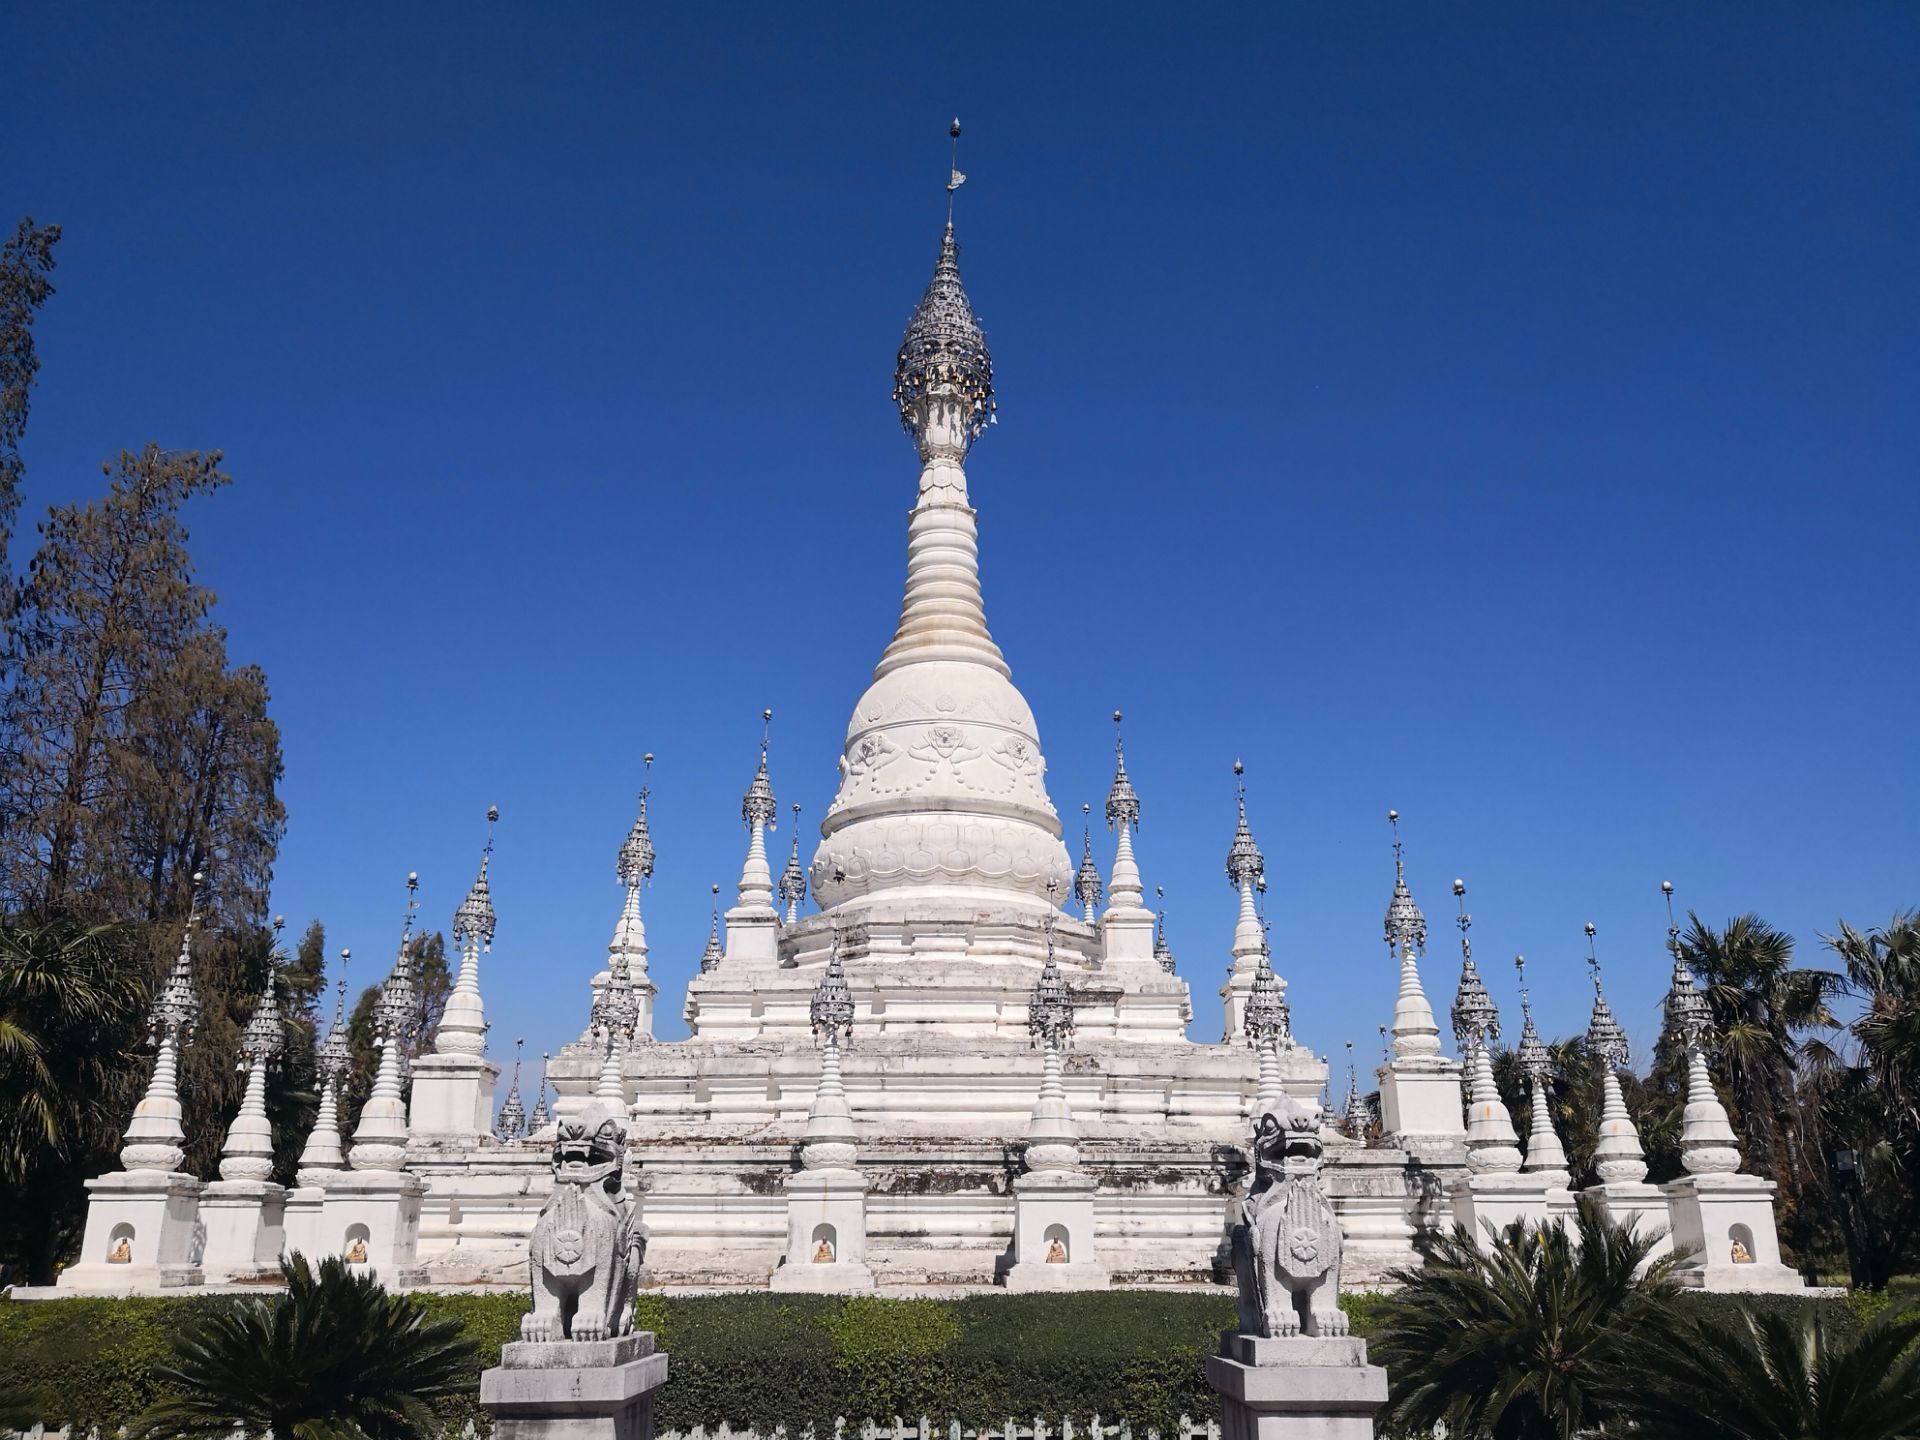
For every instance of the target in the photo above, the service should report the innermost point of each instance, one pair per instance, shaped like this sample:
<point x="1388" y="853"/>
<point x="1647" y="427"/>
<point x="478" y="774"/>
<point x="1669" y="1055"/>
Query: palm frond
<point x="334" y="1358"/>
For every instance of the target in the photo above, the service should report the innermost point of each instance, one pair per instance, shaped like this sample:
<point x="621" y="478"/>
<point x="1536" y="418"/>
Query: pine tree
<point x="110" y="603"/>
<point x="198" y="773"/>
<point x="25" y="262"/>
<point x="132" y="753"/>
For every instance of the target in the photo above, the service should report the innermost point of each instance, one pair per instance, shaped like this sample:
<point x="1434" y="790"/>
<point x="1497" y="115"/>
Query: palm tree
<point x="1528" y="1337"/>
<point x="72" y="1001"/>
<point x="1873" y="1110"/>
<point x="59" y="981"/>
<point x="334" y="1358"/>
<point x="1883" y="968"/>
<point x="1764" y="1008"/>
<point x="1782" y="1376"/>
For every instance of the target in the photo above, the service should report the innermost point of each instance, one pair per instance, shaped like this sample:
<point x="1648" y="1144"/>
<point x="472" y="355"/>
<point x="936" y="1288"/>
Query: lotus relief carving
<point x="944" y="744"/>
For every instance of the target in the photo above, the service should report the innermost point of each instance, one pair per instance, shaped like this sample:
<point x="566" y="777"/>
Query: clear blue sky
<point x="1502" y="413"/>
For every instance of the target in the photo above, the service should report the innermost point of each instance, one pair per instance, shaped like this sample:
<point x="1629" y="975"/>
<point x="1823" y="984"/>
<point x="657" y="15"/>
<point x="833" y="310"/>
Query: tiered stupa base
<point x="939" y="1119"/>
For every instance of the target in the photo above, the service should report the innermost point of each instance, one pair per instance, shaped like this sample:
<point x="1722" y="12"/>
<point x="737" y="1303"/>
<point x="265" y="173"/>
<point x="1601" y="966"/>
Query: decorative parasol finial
<point x="757" y="806"/>
<point x="1605" y="1038"/>
<point x="1406" y="927"/>
<point x="711" y="957"/>
<point x="633" y="864"/>
<point x="954" y="178"/>
<point x="1534" y="1057"/>
<point x="1123" y="803"/>
<point x="1688" y="1011"/>
<point x="943" y="359"/>
<point x="474" y="920"/>
<point x="1476" y="1020"/>
<point x="1245" y="863"/>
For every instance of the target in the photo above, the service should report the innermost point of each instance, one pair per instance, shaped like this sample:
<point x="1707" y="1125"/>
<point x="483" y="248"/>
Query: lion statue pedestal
<point x="578" y="1372"/>
<point x="1292" y="1372"/>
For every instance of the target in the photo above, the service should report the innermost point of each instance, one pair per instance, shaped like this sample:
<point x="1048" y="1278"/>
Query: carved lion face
<point x="590" y="1145"/>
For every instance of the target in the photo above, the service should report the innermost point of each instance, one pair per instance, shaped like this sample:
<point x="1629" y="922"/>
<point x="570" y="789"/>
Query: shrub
<point x="759" y="1359"/>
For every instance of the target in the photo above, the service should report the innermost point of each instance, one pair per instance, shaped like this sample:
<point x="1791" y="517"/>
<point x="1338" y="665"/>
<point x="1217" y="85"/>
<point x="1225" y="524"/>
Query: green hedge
<point x="762" y="1359"/>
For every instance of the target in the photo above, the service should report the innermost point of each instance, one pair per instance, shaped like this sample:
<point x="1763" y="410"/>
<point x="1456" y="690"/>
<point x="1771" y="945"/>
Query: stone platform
<point x="574" y="1389"/>
<point x="940" y="1206"/>
<point x="1301" y="1387"/>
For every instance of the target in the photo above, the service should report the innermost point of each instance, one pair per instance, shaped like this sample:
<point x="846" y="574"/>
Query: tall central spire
<point x="943" y="384"/>
<point x="942" y="785"/>
<point x="943" y="375"/>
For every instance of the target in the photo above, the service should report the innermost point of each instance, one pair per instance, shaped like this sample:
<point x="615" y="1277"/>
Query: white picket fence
<point x="1094" y="1428"/>
<point x="923" y="1429"/>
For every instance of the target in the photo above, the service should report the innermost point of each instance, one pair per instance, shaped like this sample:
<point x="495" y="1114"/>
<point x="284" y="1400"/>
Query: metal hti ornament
<point x="1162" y="951"/>
<point x="1406" y="927"/>
<point x="944" y="351"/>
<point x="540" y="1118"/>
<point x="512" y="1124"/>
<point x="396" y="1015"/>
<point x="757" y="806"/>
<point x="633" y="867"/>
<point x="1049" y="1007"/>
<point x="792" y="888"/>
<point x="473" y="921"/>
<point x="1123" y="805"/>
<point x="616" y="1008"/>
<point x="265" y="1036"/>
<point x="1245" y="863"/>
<point x="711" y="957"/>
<point x="1267" y="1015"/>
<point x="176" y="1007"/>
<point x="831" y="1010"/>
<point x="1476" y="1020"/>
<point x="333" y="1057"/>
<point x="1606" y="1040"/>
<point x="1688" y="1014"/>
<point x="1086" y="882"/>
<point x="1536" y="1061"/>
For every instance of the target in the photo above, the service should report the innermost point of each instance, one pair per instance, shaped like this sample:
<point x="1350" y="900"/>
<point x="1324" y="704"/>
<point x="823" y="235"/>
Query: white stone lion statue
<point x="587" y="1246"/>
<point x="1286" y="1246"/>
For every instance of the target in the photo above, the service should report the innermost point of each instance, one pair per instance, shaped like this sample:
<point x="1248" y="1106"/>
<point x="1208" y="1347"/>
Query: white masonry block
<point x="1420" y="1104"/>
<point x="826" y="1233"/>
<point x="371" y="1219"/>
<point x="143" y="1234"/>
<point x="245" y="1226"/>
<point x="1053" y="1233"/>
<point x="453" y="1095"/>
<point x="301" y="1222"/>
<point x="1727" y="1222"/>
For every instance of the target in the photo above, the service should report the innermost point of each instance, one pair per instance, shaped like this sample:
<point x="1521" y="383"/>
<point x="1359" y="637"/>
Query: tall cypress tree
<point x="131" y="755"/>
<point x="25" y="262"/>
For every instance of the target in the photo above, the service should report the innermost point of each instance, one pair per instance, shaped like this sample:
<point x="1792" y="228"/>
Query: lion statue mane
<point x="587" y="1246"/>
<point x="1286" y="1246"/>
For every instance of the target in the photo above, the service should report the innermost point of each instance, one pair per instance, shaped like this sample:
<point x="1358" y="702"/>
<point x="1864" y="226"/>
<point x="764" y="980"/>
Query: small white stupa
<point x="1495" y="1191"/>
<point x="827" y="1196"/>
<point x="1724" y="1217"/>
<point x="143" y="1221"/>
